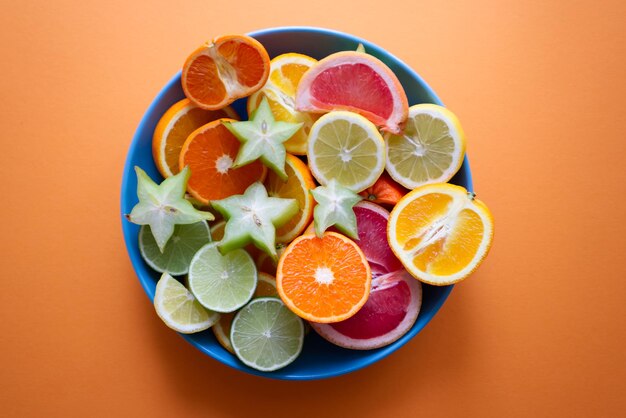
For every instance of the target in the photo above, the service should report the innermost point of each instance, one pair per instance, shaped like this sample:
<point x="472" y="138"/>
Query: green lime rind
<point x="253" y="217"/>
<point x="178" y="308"/>
<point x="334" y="208"/>
<point x="222" y="283"/>
<point x="266" y="335"/>
<point x="262" y="137"/>
<point x="179" y="250"/>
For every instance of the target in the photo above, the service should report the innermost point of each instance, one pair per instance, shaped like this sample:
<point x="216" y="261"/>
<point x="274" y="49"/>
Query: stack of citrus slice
<point x="331" y="132"/>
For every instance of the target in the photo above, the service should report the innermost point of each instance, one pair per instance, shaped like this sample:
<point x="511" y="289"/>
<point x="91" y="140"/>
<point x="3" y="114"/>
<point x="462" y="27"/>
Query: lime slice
<point x="266" y="335"/>
<point x="222" y="283"/>
<point x="347" y="147"/>
<point x="266" y="286"/>
<point x="177" y="307"/>
<point x="429" y="150"/>
<point x="179" y="250"/>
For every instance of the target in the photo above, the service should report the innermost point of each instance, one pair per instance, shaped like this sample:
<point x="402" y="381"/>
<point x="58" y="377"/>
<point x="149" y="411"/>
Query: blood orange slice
<point x="391" y="310"/>
<point x="357" y="82"/>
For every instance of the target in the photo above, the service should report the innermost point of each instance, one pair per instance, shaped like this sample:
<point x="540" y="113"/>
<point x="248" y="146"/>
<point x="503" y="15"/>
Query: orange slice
<point x="209" y="151"/>
<point x="357" y="82"/>
<point x="174" y="127"/>
<point x="384" y="191"/>
<point x="440" y="232"/>
<point x="298" y="185"/>
<point x="286" y="70"/>
<point x="266" y="286"/>
<point x="219" y="72"/>
<point x="323" y="279"/>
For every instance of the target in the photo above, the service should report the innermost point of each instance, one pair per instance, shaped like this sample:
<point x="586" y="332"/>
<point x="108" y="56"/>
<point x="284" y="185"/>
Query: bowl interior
<point x="319" y="359"/>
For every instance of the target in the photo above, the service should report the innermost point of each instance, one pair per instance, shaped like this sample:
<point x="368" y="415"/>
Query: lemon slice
<point x="430" y="149"/>
<point x="179" y="309"/>
<point x="440" y="232"/>
<point x="347" y="147"/>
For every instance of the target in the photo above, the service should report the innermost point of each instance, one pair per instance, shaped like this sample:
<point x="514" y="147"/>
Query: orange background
<point x="538" y="331"/>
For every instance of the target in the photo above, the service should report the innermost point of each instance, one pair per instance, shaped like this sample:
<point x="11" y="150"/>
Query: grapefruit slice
<point x="357" y="82"/>
<point x="390" y="311"/>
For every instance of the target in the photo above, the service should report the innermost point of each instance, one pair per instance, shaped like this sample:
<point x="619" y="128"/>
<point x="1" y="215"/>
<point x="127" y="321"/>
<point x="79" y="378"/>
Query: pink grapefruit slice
<point x="356" y="82"/>
<point x="390" y="311"/>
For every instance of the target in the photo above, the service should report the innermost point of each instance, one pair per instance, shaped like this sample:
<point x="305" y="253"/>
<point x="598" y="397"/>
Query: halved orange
<point x="440" y="232"/>
<point x="356" y="82"/>
<point x="226" y="69"/>
<point x="210" y="151"/>
<point x="323" y="279"/>
<point x="286" y="70"/>
<point x="174" y="127"/>
<point x="298" y="186"/>
<point x="384" y="191"/>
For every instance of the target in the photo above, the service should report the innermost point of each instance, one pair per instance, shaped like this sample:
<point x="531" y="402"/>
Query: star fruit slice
<point x="334" y="207"/>
<point x="262" y="137"/>
<point x="253" y="218"/>
<point x="162" y="206"/>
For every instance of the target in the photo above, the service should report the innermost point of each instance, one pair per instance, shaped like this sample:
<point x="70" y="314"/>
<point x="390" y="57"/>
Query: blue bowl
<point x="319" y="359"/>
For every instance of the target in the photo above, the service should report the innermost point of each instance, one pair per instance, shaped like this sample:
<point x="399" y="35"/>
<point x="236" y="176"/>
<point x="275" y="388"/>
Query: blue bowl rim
<point x="128" y="170"/>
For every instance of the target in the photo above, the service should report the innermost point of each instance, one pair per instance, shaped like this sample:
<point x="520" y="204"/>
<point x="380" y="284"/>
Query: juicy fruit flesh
<point x="210" y="155"/>
<point x="203" y="79"/>
<point x="244" y="60"/>
<point x="372" y="228"/>
<point x="425" y="151"/>
<point x="266" y="335"/>
<point x="356" y="84"/>
<point x="381" y="314"/>
<point x="438" y="234"/>
<point x="324" y="277"/>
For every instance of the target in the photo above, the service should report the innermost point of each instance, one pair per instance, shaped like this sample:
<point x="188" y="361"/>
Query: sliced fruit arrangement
<point x="440" y="232"/>
<point x="390" y="311"/>
<point x="286" y="70"/>
<point x="221" y="71"/>
<point x="357" y="82"/>
<point x="323" y="279"/>
<point x="348" y="148"/>
<point x="210" y="152"/>
<point x="174" y="127"/>
<point x="309" y="154"/>
<point x="429" y="150"/>
<point x="179" y="309"/>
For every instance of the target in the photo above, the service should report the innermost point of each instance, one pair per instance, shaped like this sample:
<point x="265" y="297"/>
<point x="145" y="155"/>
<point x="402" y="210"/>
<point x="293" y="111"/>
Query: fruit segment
<point x="357" y="82"/>
<point x="440" y="232"/>
<point x="252" y="218"/>
<point x="323" y="279"/>
<point x="163" y="206"/>
<point x="230" y="67"/>
<point x="262" y="137"/>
